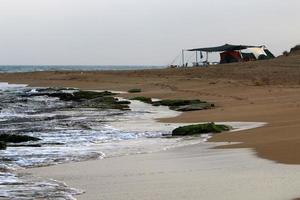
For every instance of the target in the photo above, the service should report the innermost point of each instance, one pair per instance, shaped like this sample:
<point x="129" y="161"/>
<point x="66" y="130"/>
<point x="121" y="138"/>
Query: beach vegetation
<point x="200" y="129"/>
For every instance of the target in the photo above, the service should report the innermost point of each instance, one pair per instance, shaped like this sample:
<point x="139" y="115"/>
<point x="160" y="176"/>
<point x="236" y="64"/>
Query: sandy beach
<point x="192" y="172"/>
<point x="259" y="163"/>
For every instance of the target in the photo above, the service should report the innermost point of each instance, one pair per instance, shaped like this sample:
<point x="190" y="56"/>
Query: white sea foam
<point x="4" y="85"/>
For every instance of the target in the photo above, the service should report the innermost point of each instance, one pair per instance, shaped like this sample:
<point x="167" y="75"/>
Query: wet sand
<point x="192" y="172"/>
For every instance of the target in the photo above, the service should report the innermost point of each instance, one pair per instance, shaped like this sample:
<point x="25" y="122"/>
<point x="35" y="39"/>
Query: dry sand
<point x="264" y="91"/>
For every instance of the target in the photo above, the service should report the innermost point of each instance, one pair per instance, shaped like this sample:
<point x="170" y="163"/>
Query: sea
<point x="34" y="68"/>
<point x="71" y="134"/>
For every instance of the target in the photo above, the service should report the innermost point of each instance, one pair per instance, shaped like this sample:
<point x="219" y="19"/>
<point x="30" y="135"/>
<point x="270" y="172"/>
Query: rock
<point x="184" y="105"/>
<point x="176" y="102"/>
<point x="123" y="102"/>
<point x="75" y="96"/>
<point x="200" y="129"/>
<point x="135" y="90"/>
<point x="106" y="103"/>
<point x="13" y="138"/>
<point x="24" y="145"/>
<point x="142" y="99"/>
<point x="80" y="95"/>
<point x="2" y="145"/>
<point x="55" y="89"/>
<point x="86" y="99"/>
<point x="193" y="107"/>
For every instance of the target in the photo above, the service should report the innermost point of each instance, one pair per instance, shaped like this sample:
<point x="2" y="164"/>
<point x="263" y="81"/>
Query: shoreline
<point x="189" y="172"/>
<point x="237" y="97"/>
<point x="235" y="100"/>
<point x="91" y="184"/>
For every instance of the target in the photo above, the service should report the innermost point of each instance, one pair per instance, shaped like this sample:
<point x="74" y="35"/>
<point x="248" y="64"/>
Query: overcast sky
<point x="138" y="31"/>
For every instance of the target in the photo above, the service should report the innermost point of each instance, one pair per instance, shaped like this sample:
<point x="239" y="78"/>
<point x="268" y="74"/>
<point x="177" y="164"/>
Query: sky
<point x="138" y="32"/>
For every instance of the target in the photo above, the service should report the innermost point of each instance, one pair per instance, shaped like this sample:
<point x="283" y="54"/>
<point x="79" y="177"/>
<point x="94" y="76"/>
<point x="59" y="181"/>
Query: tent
<point x="234" y="53"/>
<point x="226" y="47"/>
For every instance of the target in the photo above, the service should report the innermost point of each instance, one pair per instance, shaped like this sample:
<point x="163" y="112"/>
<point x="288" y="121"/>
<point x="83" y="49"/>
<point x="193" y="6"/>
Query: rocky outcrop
<point x="81" y="98"/>
<point x="134" y="90"/>
<point x="13" y="138"/>
<point x="199" y="129"/>
<point x="184" y="105"/>
<point x="2" y="145"/>
<point x="142" y="99"/>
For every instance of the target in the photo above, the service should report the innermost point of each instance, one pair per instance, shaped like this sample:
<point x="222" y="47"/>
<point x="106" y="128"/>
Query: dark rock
<point x="24" y="145"/>
<point x="106" y="103"/>
<point x="75" y="96"/>
<point x="13" y="138"/>
<point x="200" y="129"/>
<point x="142" y="99"/>
<point x="184" y="105"/>
<point x="2" y="145"/>
<point x="86" y="99"/>
<point x="134" y="90"/>
<point x="80" y="95"/>
<point x="55" y="89"/>
<point x="123" y="102"/>
<point x="193" y="107"/>
<point x="176" y="102"/>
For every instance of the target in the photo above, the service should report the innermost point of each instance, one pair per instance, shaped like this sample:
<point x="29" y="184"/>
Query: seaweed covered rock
<point x="80" y="95"/>
<point x="134" y="90"/>
<point x="142" y="99"/>
<point x="81" y="98"/>
<point x="123" y="102"/>
<point x="106" y="103"/>
<point x="2" y="145"/>
<point x="55" y="89"/>
<point x="184" y="105"/>
<point x="200" y="129"/>
<point x="175" y="102"/>
<point x="193" y="107"/>
<point x="13" y="138"/>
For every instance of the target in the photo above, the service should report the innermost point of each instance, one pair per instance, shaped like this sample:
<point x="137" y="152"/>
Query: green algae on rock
<point x="200" y="129"/>
<point x="134" y="90"/>
<point x="142" y="99"/>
